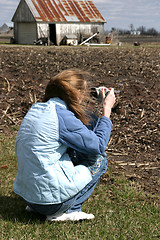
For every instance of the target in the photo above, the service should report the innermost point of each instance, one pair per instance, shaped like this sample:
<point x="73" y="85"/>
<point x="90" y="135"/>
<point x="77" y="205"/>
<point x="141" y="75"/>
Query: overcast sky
<point x="118" y="13"/>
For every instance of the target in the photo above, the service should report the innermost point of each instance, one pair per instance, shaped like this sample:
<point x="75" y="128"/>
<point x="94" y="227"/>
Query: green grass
<point x="120" y="212"/>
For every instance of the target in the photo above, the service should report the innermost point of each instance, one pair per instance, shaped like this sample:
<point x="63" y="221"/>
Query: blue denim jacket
<point x="46" y="174"/>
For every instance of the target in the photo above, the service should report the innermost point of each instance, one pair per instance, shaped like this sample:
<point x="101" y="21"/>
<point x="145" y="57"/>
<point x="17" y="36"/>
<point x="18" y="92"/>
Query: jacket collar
<point x="59" y="102"/>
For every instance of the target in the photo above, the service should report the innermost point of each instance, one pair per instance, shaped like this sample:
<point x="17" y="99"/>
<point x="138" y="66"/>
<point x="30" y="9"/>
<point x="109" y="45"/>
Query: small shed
<point x="55" y="19"/>
<point x="70" y="40"/>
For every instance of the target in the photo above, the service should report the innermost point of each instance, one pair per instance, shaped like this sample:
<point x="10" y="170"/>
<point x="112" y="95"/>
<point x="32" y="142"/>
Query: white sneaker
<point x="73" y="216"/>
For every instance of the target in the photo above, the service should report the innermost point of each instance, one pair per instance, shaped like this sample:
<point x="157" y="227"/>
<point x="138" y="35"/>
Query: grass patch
<point x="120" y="212"/>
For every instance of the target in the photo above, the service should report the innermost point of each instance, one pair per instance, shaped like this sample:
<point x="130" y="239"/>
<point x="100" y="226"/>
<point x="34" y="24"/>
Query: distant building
<point x="4" y="28"/>
<point x="135" y="32"/>
<point x="55" y="19"/>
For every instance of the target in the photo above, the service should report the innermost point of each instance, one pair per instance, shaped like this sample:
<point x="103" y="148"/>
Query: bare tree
<point x="131" y="27"/>
<point x="142" y="30"/>
<point x="152" y="31"/>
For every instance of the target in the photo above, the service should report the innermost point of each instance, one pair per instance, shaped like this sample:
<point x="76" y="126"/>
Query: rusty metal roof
<point x="64" y="11"/>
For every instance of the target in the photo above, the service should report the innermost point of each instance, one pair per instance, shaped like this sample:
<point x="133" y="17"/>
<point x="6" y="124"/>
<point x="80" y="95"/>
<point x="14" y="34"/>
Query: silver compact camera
<point x="97" y="92"/>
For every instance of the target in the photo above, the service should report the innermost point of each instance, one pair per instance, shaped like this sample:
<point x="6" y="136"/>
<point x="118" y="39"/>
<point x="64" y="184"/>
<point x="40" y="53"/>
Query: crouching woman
<point x="61" y="150"/>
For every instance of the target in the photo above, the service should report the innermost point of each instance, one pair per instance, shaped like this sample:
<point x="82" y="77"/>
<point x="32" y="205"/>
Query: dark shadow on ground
<point x="12" y="208"/>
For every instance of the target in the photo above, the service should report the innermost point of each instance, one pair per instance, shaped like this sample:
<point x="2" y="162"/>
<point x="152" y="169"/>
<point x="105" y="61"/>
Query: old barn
<point x="56" y="20"/>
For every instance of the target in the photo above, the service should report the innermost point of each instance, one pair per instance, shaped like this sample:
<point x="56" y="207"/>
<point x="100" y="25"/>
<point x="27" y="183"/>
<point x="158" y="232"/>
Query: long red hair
<point x="70" y="86"/>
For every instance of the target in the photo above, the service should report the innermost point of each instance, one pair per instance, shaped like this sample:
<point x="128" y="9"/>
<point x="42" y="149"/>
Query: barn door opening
<point x="52" y="33"/>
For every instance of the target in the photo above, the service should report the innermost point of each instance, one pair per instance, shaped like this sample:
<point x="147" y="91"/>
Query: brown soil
<point x="134" y="72"/>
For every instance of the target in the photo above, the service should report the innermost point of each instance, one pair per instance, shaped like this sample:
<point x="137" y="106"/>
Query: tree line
<point x="142" y="30"/>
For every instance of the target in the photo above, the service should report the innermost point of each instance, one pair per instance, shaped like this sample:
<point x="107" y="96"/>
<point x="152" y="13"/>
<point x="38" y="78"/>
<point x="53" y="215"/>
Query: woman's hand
<point x="108" y="102"/>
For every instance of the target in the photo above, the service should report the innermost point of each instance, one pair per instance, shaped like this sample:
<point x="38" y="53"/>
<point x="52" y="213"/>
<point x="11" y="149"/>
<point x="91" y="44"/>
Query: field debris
<point x="133" y="72"/>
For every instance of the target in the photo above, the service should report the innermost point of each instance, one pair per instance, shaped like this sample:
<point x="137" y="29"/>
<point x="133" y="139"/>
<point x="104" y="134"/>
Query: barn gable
<point x="23" y="13"/>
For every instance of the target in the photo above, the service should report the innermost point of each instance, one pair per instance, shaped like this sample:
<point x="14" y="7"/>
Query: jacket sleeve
<point x="74" y="134"/>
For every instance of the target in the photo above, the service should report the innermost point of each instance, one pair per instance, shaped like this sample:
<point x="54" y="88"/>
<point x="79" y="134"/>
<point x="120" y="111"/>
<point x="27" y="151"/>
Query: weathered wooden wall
<point x="78" y="29"/>
<point x="23" y="13"/>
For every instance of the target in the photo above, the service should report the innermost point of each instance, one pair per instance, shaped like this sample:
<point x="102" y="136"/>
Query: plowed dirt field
<point x="134" y="72"/>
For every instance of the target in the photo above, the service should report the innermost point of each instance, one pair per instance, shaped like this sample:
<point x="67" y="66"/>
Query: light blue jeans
<point x="75" y="203"/>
